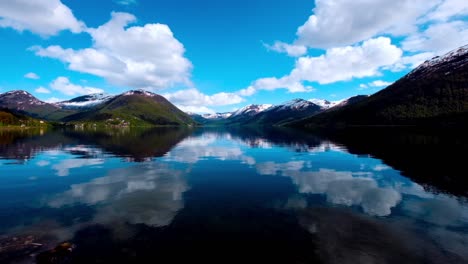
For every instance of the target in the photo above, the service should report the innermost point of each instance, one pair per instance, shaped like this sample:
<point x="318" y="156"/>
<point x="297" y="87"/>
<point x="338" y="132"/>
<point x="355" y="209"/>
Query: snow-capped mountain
<point x="85" y="101"/>
<point x="251" y="110"/>
<point x="20" y="100"/>
<point x="294" y="105"/>
<point x="140" y="92"/>
<point x="325" y="104"/>
<point x="288" y="111"/>
<point x="92" y="100"/>
<point x="24" y="103"/>
<point x="350" y="100"/>
<point x="447" y="63"/>
<point x="434" y="94"/>
<point x="291" y="107"/>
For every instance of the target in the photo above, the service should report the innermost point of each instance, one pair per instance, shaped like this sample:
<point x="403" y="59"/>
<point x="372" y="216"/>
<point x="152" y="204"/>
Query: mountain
<point x="210" y="119"/>
<point x="134" y="108"/>
<point x="250" y="110"/>
<point x="435" y="93"/>
<point x="325" y="104"/>
<point x="283" y="113"/>
<point x="286" y="112"/>
<point x="267" y="114"/>
<point x="198" y="118"/>
<point x="245" y="114"/>
<point x="23" y="102"/>
<point x="349" y="101"/>
<point x="85" y="101"/>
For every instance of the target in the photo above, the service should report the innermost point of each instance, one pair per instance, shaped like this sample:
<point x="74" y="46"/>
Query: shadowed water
<point x="237" y="196"/>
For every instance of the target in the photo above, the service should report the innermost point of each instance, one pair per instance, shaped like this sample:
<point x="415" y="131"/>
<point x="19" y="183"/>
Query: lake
<point x="247" y="195"/>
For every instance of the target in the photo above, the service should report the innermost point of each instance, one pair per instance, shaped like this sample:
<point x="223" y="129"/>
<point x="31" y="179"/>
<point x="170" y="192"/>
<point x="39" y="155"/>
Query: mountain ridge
<point x="434" y="93"/>
<point x="269" y="114"/>
<point x="134" y="107"/>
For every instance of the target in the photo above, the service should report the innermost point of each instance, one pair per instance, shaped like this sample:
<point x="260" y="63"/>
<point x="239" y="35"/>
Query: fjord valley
<point x="435" y="93"/>
<point x="175" y="181"/>
<point x="259" y="131"/>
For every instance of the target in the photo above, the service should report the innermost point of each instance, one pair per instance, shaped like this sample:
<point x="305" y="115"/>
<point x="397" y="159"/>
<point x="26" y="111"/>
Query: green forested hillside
<point x="435" y="93"/>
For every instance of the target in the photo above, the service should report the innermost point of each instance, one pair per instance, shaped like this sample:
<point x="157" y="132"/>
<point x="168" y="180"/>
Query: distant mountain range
<point x="277" y="115"/>
<point x="435" y="93"/>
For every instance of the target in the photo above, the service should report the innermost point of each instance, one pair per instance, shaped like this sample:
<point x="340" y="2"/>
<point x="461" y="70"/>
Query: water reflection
<point x="134" y="144"/>
<point x="434" y="158"/>
<point x="209" y="145"/>
<point x="24" y="144"/>
<point x="146" y="193"/>
<point x="277" y="196"/>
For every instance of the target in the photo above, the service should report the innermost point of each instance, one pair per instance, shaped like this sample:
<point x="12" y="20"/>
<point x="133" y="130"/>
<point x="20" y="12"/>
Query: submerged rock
<point x="60" y="254"/>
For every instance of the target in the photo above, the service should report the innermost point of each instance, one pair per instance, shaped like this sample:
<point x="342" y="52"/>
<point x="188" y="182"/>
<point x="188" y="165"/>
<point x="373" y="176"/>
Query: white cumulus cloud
<point x="52" y="100"/>
<point x="126" y="2"/>
<point x="379" y="83"/>
<point x="345" y="63"/>
<point x="290" y="49"/>
<point x="192" y="100"/>
<point x="376" y="83"/>
<point x="447" y="9"/>
<point x="43" y="17"/>
<point x="32" y="75"/>
<point x="438" y="38"/>
<point x="343" y="22"/>
<point x="426" y="27"/>
<point x="148" y="56"/>
<point x="63" y="85"/>
<point x="42" y="89"/>
<point x="196" y="109"/>
<point x="337" y="64"/>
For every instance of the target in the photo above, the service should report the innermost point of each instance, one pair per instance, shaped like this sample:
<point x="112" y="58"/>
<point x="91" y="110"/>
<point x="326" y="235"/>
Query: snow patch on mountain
<point x="139" y="92"/>
<point x="295" y="104"/>
<point x="325" y="104"/>
<point x="86" y="101"/>
<point x="22" y="99"/>
<point x="450" y="61"/>
<point x="251" y="109"/>
<point x="445" y="58"/>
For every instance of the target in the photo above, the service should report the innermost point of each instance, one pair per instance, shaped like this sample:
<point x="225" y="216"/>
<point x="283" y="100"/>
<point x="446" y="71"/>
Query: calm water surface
<point x="239" y="196"/>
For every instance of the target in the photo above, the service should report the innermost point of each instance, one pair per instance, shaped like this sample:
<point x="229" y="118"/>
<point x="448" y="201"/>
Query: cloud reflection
<point x="340" y="187"/>
<point x="145" y="193"/>
<point x="63" y="168"/>
<point x="194" y="149"/>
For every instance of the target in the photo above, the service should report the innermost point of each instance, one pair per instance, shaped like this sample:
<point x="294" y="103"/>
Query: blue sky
<point x="210" y="56"/>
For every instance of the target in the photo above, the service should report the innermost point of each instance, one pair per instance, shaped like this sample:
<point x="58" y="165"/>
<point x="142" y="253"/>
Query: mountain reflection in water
<point x="239" y="195"/>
